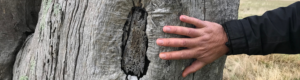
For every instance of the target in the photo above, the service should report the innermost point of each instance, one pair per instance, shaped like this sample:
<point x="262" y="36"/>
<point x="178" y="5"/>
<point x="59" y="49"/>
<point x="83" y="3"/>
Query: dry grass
<point x="269" y="67"/>
<point x="258" y="7"/>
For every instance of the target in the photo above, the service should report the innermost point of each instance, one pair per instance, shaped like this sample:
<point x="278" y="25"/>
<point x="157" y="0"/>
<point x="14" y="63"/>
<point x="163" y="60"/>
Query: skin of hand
<point x="206" y="43"/>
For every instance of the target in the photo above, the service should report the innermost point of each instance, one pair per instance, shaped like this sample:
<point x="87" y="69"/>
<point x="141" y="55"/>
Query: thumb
<point x="197" y="22"/>
<point x="196" y="65"/>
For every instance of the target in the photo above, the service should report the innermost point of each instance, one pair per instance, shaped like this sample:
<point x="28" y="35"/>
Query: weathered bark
<point x="18" y="19"/>
<point x="114" y="39"/>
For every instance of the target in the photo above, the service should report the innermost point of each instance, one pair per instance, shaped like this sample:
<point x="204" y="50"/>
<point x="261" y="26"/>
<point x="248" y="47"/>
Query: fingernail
<point x="163" y="56"/>
<point x="160" y="41"/>
<point x="167" y="29"/>
<point x="183" y="17"/>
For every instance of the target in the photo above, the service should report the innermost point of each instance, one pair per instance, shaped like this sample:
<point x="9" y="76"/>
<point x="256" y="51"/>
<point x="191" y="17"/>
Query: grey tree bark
<point x="114" y="40"/>
<point x="18" y="19"/>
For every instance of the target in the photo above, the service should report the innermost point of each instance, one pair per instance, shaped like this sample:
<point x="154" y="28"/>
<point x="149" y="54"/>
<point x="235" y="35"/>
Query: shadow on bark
<point x="18" y="19"/>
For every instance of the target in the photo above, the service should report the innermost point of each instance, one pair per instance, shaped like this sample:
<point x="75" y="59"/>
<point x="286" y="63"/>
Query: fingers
<point x="196" y="65"/>
<point x="198" y="23"/>
<point x="176" y="55"/>
<point x="176" y="42"/>
<point x="191" y="32"/>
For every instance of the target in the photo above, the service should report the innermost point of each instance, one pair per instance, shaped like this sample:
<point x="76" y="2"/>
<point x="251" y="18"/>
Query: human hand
<point x="207" y="43"/>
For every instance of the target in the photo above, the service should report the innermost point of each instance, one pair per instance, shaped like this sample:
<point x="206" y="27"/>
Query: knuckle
<point x="189" y="31"/>
<point x="200" y="33"/>
<point x="183" y="43"/>
<point x="173" y="30"/>
<point x="199" y="44"/>
<point x="193" y="54"/>
<point x="202" y="52"/>
<point x="208" y="30"/>
<point x="167" y="42"/>
<point x="200" y="22"/>
<point x="206" y="38"/>
<point x="197" y="54"/>
<point x="169" y="56"/>
<point x="182" y="55"/>
<point x="204" y="23"/>
<point x="201" y="49"/>
<point x="182" y="31"/>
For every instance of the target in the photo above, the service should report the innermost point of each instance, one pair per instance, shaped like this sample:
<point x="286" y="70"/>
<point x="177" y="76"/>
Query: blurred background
<point x="268" y="67"/>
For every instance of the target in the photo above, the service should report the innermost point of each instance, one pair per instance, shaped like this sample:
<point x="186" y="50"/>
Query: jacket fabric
<point x="276" y="31"/>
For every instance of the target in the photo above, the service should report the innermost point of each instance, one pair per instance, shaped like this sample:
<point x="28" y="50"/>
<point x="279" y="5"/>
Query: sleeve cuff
<point x="237" y="42"/>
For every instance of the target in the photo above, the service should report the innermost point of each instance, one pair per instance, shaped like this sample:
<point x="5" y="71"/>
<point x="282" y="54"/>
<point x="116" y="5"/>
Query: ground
<point x="269" y="67"/>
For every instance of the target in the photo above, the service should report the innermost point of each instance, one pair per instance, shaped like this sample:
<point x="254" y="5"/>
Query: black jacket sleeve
<point x="276" y="31"/>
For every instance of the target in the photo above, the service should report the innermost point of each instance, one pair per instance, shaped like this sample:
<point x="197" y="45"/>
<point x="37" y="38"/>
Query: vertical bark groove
<point x="204" y="10"/>
<point x="80" y="37"/>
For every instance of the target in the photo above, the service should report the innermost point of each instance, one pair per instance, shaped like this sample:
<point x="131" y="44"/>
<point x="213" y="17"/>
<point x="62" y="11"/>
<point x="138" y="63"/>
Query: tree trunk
<point x="114" y="40"/>
<point x="18" y="19"/>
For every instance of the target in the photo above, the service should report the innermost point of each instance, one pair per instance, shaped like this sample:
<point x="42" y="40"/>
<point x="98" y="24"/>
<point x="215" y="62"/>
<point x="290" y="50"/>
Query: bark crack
<point x="204" y="10"/>
<point x="135" y="43"/>
<point x="80" y="37"/>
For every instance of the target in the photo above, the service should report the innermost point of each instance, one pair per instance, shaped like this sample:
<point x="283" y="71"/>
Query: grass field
<point x="258" y="7"/>
<point x="269" y="67"/>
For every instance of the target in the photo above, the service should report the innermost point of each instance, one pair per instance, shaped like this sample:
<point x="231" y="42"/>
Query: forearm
<point x="276" y="31"/>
